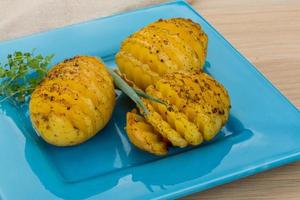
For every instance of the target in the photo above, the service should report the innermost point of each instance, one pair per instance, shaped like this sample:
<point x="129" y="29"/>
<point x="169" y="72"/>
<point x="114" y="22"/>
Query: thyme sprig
<point x="21" y="74"/>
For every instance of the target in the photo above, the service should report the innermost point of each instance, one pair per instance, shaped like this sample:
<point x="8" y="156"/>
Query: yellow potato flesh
<point x="74" y="102"/>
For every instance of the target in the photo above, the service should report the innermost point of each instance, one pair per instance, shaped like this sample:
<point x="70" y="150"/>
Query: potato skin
<point x="73" y="102"/>
<point x="142" y="135"/>
<point x="203" y="100"/>
<point x="196" y="107"/>
<point x="162" y="47"/>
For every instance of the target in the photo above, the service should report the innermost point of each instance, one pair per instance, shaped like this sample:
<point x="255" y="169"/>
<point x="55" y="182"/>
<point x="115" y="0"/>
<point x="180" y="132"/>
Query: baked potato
<point x="73" y="102"/>
<point x="195" y="109"/>
<point x="142" y="134"/>
<point x="162" y="47"/>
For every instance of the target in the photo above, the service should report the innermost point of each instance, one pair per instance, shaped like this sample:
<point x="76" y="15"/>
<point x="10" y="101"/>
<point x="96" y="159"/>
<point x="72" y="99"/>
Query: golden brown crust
<point x="142" y="135"/>
<point x="162" y="47"/>
<point x="196" y="107"/>
<point x="73" y="102"/>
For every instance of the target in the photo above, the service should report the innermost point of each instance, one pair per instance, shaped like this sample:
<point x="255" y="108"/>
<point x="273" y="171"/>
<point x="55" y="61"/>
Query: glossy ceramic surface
<point x="263" y="130"/>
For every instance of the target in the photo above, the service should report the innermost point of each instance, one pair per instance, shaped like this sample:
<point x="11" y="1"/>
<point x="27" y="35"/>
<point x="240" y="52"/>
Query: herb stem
<point x="16" y="81"/>
<point x="128" y="90"/>
<point x="147" y="96"/>
<point x="13" y="94"/>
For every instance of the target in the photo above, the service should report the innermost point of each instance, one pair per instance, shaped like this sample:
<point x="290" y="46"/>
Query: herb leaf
<point x="21" y="74"/>
<point x="129" y="91"/>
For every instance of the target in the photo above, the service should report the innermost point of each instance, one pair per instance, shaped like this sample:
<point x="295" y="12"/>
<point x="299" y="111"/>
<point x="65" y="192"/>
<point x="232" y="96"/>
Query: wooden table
<point x="267" y="32"/>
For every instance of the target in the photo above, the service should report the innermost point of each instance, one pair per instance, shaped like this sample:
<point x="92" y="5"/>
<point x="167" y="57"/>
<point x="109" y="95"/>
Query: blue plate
<point x="263" y="130"/>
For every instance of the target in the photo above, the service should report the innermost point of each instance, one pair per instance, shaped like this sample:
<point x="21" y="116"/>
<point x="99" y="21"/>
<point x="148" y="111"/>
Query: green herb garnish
<point x="129" y="91"/>
<point x="147" y="96"/>
<point x="21" y="74"/>
<point x="133" y="93"/>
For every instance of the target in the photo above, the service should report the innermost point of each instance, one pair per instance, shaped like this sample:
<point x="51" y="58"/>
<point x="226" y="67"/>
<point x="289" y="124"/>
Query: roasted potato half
<point x="195" y="109"/>
<point x="142" y="134"/>
<point x="73" y="102"/>
<point x="162" y="47"/>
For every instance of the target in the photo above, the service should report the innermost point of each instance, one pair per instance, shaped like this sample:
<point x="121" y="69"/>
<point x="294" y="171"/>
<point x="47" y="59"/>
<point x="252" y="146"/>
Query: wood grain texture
<point x="267" y="32"/>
